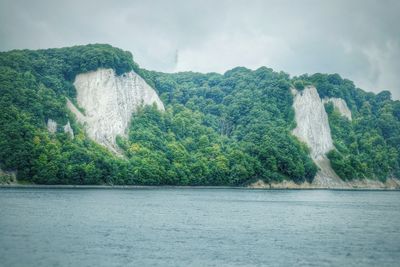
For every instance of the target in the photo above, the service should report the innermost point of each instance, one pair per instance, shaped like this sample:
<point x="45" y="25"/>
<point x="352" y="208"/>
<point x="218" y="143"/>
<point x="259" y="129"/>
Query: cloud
<point x="360" y="40"/>
<point x="225" y="51"/>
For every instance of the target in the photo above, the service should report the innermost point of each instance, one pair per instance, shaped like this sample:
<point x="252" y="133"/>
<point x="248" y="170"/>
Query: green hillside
<point x="229" y="129"/>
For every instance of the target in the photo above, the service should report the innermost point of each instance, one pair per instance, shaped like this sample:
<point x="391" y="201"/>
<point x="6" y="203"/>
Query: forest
<point x="218" y="129"/>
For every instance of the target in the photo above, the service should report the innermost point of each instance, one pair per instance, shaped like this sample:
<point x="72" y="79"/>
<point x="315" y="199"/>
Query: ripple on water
<point x="176" y="227"/>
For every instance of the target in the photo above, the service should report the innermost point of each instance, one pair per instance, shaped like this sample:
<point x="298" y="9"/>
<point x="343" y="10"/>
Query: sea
<point x="198" y="227"/>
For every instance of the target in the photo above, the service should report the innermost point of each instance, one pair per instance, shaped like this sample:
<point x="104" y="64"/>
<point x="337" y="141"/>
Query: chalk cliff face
<point x="313" y="129"/>
<point x="108" y="102"/>
<point x="312" y="122"/>
<point x="339" y="105"/>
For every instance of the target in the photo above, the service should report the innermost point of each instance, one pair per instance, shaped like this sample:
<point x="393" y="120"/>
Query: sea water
<point x="198" y="227"/>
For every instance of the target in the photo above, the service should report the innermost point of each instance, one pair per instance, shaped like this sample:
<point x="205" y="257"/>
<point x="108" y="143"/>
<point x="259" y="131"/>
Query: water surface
<point x="192" y="227"/>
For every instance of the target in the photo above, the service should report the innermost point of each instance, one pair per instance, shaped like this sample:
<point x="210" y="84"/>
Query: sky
<point x="359" y="39"/>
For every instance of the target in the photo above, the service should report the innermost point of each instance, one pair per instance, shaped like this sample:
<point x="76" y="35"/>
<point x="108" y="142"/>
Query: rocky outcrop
<point x="260" y="184"/>
<point x="51" y="126"/>
<point x="389" y="184"/>
<point x="108" y="102"/>
<point x="340" y="105"/>
<point x="313" y="129"/>
<point x="68" y="130"/>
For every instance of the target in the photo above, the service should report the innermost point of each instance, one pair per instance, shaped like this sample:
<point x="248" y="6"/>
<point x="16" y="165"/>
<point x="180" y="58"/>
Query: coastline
<point x="389" y="184"/>
<point x="276" y="186"/>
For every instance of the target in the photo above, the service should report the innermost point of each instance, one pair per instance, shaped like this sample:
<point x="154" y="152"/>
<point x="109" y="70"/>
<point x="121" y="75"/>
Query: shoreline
<point x="152" y="187"/>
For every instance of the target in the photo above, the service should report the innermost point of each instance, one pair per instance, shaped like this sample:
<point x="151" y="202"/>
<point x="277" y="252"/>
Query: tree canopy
<point x="228" y="129"/>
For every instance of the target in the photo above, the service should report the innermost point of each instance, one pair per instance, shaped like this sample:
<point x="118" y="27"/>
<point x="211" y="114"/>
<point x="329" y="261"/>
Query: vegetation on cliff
<point x="227" y="129"/>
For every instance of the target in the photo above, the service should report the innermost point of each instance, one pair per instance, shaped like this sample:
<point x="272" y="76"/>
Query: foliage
<point x="6" y="178"/>
<point x="217" y="129"/>
<point x="369" y="145"/>
<point x="249" y="112"/>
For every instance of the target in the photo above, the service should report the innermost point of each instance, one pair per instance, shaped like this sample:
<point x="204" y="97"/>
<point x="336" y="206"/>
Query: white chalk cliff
<point x="340" y="105"/>
<point x="108" y="102"/>
<point x="313" y="129"/>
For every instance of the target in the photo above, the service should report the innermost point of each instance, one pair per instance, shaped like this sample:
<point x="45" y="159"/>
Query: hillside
<point x="91" y="115"/>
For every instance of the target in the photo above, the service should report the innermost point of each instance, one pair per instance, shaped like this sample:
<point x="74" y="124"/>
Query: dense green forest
<point x="228" y="129"/>
<point x="369" y="145"/>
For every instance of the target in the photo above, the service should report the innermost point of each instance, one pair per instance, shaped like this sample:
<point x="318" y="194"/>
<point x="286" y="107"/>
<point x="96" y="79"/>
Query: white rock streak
<point x="339" y="105"/>
<point x="313" y="129"/>
<point x="312" y="122"/>
<point x="51" y="126"/>
<point x="68" y="130"/>
<point x="109" y="101"/>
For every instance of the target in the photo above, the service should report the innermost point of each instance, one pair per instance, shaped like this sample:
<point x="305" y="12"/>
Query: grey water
<point x="198" y="227"/>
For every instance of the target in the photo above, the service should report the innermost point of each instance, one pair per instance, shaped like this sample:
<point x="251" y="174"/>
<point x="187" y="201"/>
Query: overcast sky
<point x="360" y="40"/>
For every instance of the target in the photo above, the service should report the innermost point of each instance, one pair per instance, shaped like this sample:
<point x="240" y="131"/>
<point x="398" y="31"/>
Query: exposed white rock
<point x="340" y="105"/>
<point x="109" y="101"/>
<point x="51" y="126"/>
<point x="68" y="130"/>
<point x="312" y="122"/>
<point x="326" y="177"/>
<point x="390" y="184"/>
<point x="313" y="129"/>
